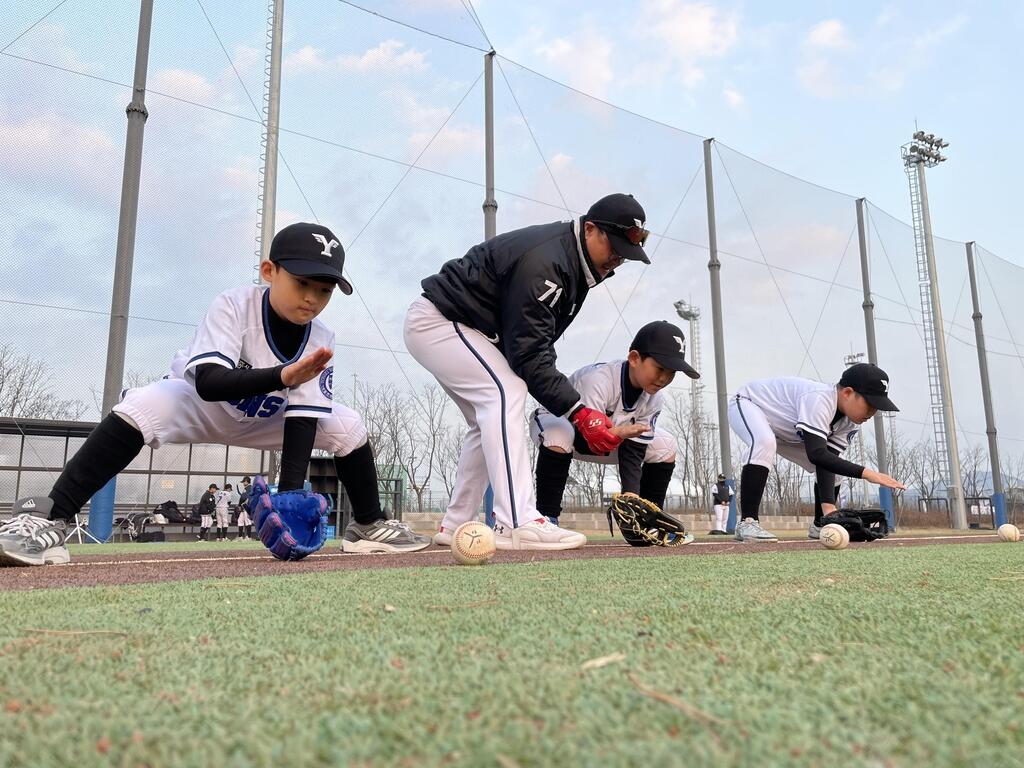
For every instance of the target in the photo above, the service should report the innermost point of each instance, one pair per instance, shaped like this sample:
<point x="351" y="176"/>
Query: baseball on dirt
<point x="472" y="544"/>
<point x="834" y="536"/>
<point x="1009" y="532"/>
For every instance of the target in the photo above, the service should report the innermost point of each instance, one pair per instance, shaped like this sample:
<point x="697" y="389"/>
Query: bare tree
<point x="448" y="453"/>
<point x="419" y="434"/>
<point x="974" y="472"/>
<point x="26" y="390"/>
<point x="132" y="379"/>
<point x="381" y="409"/>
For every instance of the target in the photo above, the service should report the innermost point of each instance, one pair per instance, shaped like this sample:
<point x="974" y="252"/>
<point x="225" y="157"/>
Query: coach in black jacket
<point x="486" y="328"/>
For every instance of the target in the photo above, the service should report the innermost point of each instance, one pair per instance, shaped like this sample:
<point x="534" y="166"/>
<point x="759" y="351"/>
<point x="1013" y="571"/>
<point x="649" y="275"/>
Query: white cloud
<point x="389" y="55"/>
<point x="932" y="37"/>
<point x="819" y="78"/>
<point x="886" y="16"/>
<point x="184" y="84"/>
<point x="828" y="34"/>
<point x="690" y="30"/>
<point x="45" y="148"/>
<point x="585" y="60"/>
<point x="733" y="98"/>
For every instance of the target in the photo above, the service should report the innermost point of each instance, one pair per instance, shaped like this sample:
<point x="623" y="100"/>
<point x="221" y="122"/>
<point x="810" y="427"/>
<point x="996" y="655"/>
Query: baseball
<point x="834" y="537"/>
<point x="472" y="544"/>
<point x="1009" y="532"/>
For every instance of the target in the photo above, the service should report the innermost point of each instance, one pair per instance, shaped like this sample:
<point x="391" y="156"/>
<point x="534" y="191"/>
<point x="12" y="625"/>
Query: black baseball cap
<point x="871" y="383"/>
<point x="666" y="344"/>
<point x="622" y="218"/>
<point x="310" y="250"/>
<point x="721" y="476"/>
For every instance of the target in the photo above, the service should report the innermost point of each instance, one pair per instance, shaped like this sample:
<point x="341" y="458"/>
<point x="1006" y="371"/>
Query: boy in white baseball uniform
<point x="629" y="392"/>
<point x="223" y="501"/>
<point x="486" y="327"/>
<point x="256" y="375"/>
<point x="810" y="424"/>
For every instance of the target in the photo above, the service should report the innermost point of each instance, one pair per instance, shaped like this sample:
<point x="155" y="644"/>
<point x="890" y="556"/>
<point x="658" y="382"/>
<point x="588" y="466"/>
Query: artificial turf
<point x="899" y="656"/>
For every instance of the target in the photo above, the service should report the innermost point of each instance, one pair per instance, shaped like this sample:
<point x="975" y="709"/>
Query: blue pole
<point x="885" y="502"/>
<point x="101" y="511"/>
<point x="489" y="506"/>
<point x="730" y="526"/>
<point x="998" y="509"/>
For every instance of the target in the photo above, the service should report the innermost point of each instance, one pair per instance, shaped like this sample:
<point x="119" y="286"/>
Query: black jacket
<point x="207" y="504"/>
<point x="521" y="289"/>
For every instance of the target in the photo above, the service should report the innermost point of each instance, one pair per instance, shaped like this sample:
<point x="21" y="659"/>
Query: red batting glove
<point x="595" y="428"/>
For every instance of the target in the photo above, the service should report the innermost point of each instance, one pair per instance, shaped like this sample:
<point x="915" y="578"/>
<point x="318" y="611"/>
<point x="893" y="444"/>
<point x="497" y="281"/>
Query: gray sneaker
<point x="29" y="540"/>
<point x="382" y="536"/>
<point x="750" y="530"/>
<point x="813" y="531"/>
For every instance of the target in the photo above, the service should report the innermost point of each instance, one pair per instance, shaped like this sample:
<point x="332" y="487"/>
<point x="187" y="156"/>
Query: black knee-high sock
<point x="552" y="475"/>
<point x="358" y="474"/>
<point x="108" y="449"/>
<point x="654" y="480"/>
<point x="753" y="479"/>
<point x="818" y="514"/>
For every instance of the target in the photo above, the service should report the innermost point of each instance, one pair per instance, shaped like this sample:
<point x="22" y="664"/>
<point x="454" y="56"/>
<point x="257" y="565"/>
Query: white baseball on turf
<point x="834" y="536"/>
<point x="1009" y="532"/>
<point x="472" y="543"/>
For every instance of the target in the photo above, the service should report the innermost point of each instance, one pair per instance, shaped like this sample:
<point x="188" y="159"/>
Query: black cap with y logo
<point x="310" y="250"/>
<point x="666" y="344"/>
<point x="870" y="382"/>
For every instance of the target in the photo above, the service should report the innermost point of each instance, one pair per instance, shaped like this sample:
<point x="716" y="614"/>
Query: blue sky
<point x="824" y="92"/>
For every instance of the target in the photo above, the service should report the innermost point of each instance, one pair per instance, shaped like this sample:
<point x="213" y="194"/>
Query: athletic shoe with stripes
<point x="813" y="531"/>
<point x="29" y="540"/>
<point x="382" y="536"/>
<point x="751" y="530"/>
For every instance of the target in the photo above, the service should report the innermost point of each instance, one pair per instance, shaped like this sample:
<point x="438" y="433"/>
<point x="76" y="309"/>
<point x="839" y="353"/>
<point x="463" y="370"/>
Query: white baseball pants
<point x="492" y="399"/>
<point x="751" y="425"/>
<point x="557" y="432"/>
<point x="170" y="411"/>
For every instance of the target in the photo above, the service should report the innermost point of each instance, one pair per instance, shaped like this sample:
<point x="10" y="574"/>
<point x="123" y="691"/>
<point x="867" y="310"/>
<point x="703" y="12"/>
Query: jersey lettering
<point x="553" y="290"/>
<point x="259" y="406"/>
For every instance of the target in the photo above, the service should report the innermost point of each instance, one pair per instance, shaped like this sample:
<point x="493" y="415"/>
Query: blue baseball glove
<point x="292" y="524"/>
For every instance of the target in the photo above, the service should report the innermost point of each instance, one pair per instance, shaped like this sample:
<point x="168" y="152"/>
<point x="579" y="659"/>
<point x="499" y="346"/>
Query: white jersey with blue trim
<point x="601" y="387"/>
<point x="236" y="334"/>
<point x="793" y="405"/>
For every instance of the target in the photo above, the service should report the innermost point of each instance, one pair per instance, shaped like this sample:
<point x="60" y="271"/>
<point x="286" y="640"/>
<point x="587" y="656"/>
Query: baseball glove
<point x="861" y="524"/>
<point x="643" y="524"/>
<point x="292" y="524"/>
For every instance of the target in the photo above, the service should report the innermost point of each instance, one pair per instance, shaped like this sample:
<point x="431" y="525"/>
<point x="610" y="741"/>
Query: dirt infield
<point x="155" y="567"/>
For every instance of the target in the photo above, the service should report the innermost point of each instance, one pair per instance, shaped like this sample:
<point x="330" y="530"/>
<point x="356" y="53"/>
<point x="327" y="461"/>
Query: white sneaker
<point x="537" y="534"/>
<point x="751" y="530"/>
<point x="813" y="531"/>
<point x="443" y="538"/>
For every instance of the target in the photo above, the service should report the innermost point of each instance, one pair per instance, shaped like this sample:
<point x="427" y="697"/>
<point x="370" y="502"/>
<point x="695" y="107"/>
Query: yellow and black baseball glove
<point x="643" y="524"/>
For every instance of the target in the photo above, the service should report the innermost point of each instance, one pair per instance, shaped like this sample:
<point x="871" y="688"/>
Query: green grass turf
<point x="874" y="657"/>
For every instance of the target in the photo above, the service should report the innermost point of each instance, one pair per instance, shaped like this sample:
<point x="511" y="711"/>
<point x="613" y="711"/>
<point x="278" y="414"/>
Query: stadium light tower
<point x="924" y="151"/>
<point x="691" y="314"/>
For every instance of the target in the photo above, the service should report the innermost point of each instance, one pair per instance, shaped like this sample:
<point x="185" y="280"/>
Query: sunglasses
<point x="635" y="235"/>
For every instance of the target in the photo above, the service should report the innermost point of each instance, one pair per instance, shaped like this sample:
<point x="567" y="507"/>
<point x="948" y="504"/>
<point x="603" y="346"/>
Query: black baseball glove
<point x="861" y="524"/>
<point x="643" y="524"/>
